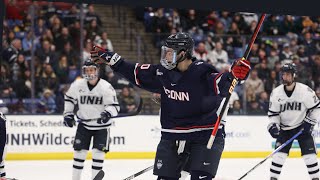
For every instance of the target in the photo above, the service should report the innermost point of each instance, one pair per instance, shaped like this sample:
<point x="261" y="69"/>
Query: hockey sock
<point x="97" y="161"/>
<point x="2" y="170"/>
<point x="312" y="165"/>
<point x="200" y="175"/>
<point x="78" y="161"/>
<point x="278" y="159"/>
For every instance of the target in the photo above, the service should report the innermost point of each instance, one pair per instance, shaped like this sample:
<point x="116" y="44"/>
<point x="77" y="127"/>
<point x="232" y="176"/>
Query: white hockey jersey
<point x="289" y="112"/>
<point x="91" y="102"/>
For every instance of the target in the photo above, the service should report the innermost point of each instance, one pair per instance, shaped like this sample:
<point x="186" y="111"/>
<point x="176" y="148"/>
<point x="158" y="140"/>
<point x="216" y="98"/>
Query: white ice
<point x="229" y="169"/>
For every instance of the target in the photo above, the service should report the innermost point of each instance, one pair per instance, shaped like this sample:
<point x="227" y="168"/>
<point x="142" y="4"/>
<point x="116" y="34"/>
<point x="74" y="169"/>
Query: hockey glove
<point x="100" y="55"/>
<point x="240" y="69"/>
<point x="307" y="126"/>
<point x="105" y="117"/>
<point x="69" y="121"/>
<point x="274" y="130"/>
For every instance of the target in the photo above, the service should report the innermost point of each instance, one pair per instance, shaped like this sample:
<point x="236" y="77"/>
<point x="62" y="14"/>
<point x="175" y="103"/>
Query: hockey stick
<point x="99" y="176"/>
<point x="275" y="151"/>
<point x="120" y="115"/>
<point x="234" y="82"/>
<point x="139" y="173"/>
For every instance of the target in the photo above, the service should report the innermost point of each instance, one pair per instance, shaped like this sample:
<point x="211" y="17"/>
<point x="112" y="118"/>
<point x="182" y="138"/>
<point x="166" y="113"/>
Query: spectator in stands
<point x="63" y="38"/>
<point x="309" y="43"/>
<point x="93" y="30"/>
<point x="92" y="15"/>
<point x="7" y="92"/>
<point x="236" y="108"/>
<point x="71" y="54"/>
<point x="272" y="26"/>
<point x="72" y="16"/>
<point x="18" y="107"/>
<point x="271" y="82"/>
<point x="264" y="101"/>
<point x="22" y="86"/>
<point x="40" y="28"/>
<point x="302" y="55"/>
<point x="127" y="101"/>
<point x="47" y="102"/>
<point x="218" y="57"/>
<point x="226" y="19"/>
<point x="234" y="97"/>
<point x="55" y="26"/>
<point x="315" y="69"/>
<point x="263" y="70"/>
<point x="236" y="40"/>
<point x="105" y="38"/>
<point x="289" y="26"/>
<point x="255" y="109"/>
<point x="210" y="23"/>
<point x="192" y="20"/>
<point x="254" y="55"/>
<point x="177" y="21"/>
<point x="27" y="45"/>
<point x="49" y="79"/>
<point x="272" y="58"/>
<point x="304" y="74"/>
<point x="240" y="22"/>
<point x="197" y="35"/>
<point x="209" y="43"/>
<point x="10" y="54"/>
<point x="62" y="70"/>
<point x="5" y="76"/>
<point x="286" y="53"/>
<point x="75" y="35"/>
<point x="200" y="52"/>
<point x="220" y="29"/>
<point x="86" y="50"/>
<point x="254" y="82"/>
<point x="46" y="53"/>
<point x="19" y="67"/>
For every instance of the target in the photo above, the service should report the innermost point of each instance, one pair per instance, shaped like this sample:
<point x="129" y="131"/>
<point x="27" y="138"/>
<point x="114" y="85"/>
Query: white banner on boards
<point x="40" y="133"/>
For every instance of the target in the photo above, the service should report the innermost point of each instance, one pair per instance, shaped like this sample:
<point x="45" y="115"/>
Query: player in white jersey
<point x="2" y="145"/>
<point x="293" y="107"/>
<point x="96" y="103"/>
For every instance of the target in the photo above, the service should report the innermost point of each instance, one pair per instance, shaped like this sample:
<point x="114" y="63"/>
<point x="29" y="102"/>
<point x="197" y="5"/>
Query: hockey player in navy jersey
<point x="191" y="91"/>
<point x="2" y="144"/>
<point x="293" y="106"/>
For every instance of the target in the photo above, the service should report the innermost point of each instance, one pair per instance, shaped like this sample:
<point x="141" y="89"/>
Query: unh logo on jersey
<point x="90" y="100"/>
<point x="179" y="96"/>
<point x="290" y="106"/>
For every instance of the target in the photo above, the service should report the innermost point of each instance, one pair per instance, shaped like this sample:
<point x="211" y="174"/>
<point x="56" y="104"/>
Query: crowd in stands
<point x="56" y="48"/>
<point x="221" y="37"/>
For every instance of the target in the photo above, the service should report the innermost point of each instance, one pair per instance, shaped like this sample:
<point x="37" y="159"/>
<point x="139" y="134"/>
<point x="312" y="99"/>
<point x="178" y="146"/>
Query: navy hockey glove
<point x="274" y="130"/>
<point x="105" y="117"/>
<point x="100" y="55"/>
<point x="240" y="69"/>
<point x="69" y="121"/>
<point x="307" y="127"/>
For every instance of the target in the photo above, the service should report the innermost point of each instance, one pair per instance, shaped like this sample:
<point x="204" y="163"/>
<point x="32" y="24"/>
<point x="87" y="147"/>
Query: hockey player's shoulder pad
<point x="204" y="67"/>
<point x="2" y="117"/>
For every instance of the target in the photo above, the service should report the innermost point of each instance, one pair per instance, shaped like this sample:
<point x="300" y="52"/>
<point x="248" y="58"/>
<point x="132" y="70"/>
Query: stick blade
<point x="99" y="176"/>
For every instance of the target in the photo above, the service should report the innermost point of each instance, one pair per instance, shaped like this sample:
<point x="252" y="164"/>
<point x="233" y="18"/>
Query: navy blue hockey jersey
<point x="189" y="99"/>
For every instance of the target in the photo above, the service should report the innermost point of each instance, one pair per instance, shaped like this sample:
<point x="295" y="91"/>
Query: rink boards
<point x="35" y="137"/>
